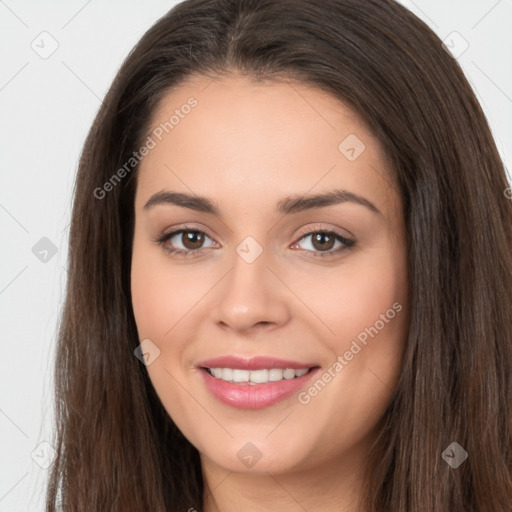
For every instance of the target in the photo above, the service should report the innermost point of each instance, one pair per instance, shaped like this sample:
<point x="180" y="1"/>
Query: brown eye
<point x="323" y="241"/>
<point x="192" y="239"/>
<point x="186" y="242"/>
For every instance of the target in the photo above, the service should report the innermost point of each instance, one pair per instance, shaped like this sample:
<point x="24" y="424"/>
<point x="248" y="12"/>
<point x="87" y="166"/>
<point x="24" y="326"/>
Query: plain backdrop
<point x="57" y="61"/>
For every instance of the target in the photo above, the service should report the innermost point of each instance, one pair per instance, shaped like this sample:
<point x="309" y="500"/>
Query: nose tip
<point x="250" y="298"/>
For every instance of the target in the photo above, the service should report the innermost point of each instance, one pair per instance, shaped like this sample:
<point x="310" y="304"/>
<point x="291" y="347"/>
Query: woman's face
<point x="290" y="243"/>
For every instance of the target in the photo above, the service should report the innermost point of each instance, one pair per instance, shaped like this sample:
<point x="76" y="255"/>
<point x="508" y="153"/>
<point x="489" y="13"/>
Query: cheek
<point x="353" y="297"/>
<point x="161" y="299"/>
<point x="152" y="299"/>
<point x="162" y="293"/>
<point x="363" y="308"/>
<point x="376" y="317"/>
<point x="368" y="292"/>
<point x="364" y="305"/>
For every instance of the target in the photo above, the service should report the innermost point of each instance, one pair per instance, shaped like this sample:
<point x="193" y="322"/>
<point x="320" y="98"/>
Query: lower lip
<point x="257" y="396"/>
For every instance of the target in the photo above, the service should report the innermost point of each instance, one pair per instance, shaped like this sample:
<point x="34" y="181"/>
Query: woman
<point x="290" y="279"/>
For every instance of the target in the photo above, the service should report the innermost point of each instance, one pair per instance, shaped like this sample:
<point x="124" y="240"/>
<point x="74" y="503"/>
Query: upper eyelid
<point x="180" y="229"/>
<point x="319" y="229"/>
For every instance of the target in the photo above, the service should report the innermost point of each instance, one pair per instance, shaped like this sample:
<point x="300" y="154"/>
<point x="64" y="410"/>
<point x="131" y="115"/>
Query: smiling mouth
<point x="254" y="377"/>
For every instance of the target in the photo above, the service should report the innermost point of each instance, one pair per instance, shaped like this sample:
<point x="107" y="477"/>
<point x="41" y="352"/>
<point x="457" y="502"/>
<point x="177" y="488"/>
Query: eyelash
<point x="191" y="253"/>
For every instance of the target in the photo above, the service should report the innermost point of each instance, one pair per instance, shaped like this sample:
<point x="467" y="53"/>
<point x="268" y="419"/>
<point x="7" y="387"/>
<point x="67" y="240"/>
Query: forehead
<point x="232" y="135"/>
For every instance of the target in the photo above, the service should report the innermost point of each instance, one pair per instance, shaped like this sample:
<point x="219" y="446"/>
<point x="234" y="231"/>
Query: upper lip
<point x="252" y="363"/>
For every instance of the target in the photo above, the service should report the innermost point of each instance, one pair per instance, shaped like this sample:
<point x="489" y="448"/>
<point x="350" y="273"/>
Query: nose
<point x="250" y="298"/>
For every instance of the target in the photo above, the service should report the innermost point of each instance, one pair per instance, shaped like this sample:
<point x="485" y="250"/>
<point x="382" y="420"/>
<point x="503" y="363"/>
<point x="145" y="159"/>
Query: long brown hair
<point x="117" y="448"/>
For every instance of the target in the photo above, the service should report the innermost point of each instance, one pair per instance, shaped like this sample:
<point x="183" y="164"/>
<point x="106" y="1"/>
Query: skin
<point x="246" y="146"/>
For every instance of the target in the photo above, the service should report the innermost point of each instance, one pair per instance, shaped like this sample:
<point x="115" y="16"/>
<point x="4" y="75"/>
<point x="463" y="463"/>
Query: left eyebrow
<point x="300" y="203"/>
<point x="286" y="206"/>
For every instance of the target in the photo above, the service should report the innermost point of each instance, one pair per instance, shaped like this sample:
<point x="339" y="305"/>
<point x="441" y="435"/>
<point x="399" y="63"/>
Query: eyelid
<point x="315" y="228"/>
<point x="185" y="227"/>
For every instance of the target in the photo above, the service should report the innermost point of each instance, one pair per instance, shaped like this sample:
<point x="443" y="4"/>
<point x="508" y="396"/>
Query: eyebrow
<point x="286" y="206"/>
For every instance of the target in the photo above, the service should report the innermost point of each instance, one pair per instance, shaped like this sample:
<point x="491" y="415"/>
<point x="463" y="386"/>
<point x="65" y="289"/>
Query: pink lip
<point x="253" y="363"/>
<point x="254" y="396"/>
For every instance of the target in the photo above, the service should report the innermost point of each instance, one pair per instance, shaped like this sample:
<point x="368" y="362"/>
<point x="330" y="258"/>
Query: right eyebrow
<point x="200" y="204"/>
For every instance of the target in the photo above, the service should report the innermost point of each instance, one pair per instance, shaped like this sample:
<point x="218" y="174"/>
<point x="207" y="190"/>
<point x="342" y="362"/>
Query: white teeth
<point x="289" y="374"/>
<point x="240" y="375"/>
<point x="256" y="376"/>
<point x="275" y="374"/>
<point x="227" y="374"/>
<point x="259" y="376"/>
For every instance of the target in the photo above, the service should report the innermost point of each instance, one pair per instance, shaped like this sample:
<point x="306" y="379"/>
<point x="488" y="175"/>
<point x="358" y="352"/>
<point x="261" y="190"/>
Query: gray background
<point x="47" y="105"/>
